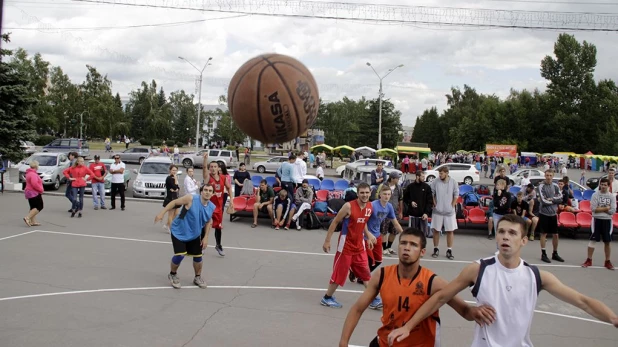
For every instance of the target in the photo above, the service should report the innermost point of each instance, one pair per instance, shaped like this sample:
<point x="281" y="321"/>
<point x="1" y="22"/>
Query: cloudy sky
<point x="131" y="44"/>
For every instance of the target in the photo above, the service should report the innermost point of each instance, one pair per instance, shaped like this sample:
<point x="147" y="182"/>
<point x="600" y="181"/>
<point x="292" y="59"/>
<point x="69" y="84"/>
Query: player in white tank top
<point x="507" y="289"/>
<point x="513" y="294"/>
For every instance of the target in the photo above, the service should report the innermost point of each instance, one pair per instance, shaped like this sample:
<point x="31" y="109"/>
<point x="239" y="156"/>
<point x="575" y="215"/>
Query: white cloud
<point x="434" y="58"/>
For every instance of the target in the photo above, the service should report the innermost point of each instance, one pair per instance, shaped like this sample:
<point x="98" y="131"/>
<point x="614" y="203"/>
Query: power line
<point x="557" y="2"/>
<point x="170" y="24"/>
<point x="402" y="15"/>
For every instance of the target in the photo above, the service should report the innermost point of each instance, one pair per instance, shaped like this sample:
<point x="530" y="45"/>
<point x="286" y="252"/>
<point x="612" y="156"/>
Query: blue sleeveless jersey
<point x="188" y="224"/>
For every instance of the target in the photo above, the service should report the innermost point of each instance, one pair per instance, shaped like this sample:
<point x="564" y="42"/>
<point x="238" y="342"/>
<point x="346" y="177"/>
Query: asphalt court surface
<point x="102" y="281"/>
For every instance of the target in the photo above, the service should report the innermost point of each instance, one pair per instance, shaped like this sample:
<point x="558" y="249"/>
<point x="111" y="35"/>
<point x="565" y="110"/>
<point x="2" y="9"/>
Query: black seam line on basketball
<point x="231" y="99"/>
<point x="289" y="94"/>
<point x="309" y="77"/>
<point x="259" y="96"/>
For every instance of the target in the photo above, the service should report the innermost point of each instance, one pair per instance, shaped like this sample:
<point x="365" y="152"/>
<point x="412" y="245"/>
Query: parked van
<point x="68" y="145"/>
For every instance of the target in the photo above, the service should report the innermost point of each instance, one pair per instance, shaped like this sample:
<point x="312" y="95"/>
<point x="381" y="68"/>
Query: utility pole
<point x="380" y="100"/>
<point x="199" y="97"/>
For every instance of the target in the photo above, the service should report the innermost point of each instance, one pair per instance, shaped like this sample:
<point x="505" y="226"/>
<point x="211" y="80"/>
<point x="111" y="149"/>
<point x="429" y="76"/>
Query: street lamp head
<point x="210" y="58"/>
<point x="400" y="65"/>
<point x="179" y="57"/>
<point x="368" y="64"/>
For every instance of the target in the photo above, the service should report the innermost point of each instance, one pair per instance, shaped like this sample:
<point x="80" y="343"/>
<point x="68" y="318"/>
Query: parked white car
<point x="374" y="162"/>
<point x="462" y="173"/>
<point x="515" y="177"/>
<point x="219" y="155"/>
<point x="150" y="180"/>
<point x="51" y="167"/>
<point x="270" y="165"/>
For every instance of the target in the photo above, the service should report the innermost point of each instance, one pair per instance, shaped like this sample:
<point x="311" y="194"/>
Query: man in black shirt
<point x="418" y="201"/>
<point x="520" y="207"/>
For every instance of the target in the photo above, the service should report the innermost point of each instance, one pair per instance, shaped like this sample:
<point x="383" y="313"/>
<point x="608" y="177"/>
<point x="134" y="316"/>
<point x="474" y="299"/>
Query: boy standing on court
<point x="404" y="288"/>
<point x="189" y="231"/>
<point x="499" y="282"/>
<point x="603" y="206"/>
<point x="351" y="254"/>
<point x="445" y="193"/>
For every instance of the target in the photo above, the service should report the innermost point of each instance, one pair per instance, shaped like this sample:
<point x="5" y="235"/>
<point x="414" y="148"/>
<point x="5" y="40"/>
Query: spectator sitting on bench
<point x="302" y="199"/>
<point x="264" y="199"/>
<point x="284" y="210"/>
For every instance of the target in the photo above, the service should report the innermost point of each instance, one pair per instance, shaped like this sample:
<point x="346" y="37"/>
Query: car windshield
<point x="155" y="169"/>
<point x="44" y="160"/>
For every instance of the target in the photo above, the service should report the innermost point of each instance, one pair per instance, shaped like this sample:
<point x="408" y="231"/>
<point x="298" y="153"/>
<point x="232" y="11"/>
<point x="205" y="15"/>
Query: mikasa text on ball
<point x="273" y="98"/>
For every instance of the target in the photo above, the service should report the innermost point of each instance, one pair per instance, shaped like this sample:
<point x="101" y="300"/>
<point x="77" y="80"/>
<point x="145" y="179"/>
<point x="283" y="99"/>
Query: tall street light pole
<point x="380" y="98"/>
<point x="199" y="109"/>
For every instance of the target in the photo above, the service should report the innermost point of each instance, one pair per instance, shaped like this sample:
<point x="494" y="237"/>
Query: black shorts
<point x="264" y="209"/>
<point x="548" y="224"/>
<point x="170" y="198"/>
<point x="191" y="248"/>
<point x="36" y="203"/>
<point x="387" y="227"/>
<point x="601" y="230"/>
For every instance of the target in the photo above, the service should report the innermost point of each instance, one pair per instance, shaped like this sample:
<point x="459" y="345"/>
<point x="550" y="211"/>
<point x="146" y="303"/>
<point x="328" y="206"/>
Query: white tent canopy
<point x="365" y="148"/>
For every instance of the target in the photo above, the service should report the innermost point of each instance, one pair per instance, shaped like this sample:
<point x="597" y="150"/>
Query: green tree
<point x="17" y="122"/>
<point x="184" y="113"/>
<point x="36" y="71"/>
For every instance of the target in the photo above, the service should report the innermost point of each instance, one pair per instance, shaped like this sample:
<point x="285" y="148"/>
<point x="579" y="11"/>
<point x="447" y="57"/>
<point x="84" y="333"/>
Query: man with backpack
<point x="396" y="200"/>
<point x="418" y="199"/>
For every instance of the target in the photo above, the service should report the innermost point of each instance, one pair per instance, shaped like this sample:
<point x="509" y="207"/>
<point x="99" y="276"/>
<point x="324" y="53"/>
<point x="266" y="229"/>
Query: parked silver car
<point x="51" y="166"/>
<point x="133" y="155"/>
<point x="219" y="155"/>
<point x="150" y="180"/>
<point x="270" y="165"/>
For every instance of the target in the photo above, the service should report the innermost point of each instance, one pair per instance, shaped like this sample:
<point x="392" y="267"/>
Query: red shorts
<point x="375" y="255"/>
<point x="345" y="262"/>
<point x="217" y="219"/>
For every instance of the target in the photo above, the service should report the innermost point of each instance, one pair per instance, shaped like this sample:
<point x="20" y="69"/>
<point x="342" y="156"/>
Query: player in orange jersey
<point x="404" y="287"/>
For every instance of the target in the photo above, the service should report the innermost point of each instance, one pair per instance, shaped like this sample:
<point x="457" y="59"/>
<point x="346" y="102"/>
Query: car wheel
<point x="468" y="180"/>
<point x="261" y="169"/>
<point x="57" y="183"/>
<point x="141" y="160"/>
<point x="512" y="183"/>
<point x="342" y="172"/>
<point x="430" y="178"/>
<point x="187" y="163"/>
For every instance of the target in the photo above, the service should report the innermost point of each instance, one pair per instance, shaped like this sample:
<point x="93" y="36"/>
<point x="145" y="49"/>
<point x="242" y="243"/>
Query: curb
<point x="157" y="201"/>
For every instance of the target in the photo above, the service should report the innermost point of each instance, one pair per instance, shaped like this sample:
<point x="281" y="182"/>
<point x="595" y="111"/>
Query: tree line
<point x="574" y="114"/>
<point x="53" y="105"/>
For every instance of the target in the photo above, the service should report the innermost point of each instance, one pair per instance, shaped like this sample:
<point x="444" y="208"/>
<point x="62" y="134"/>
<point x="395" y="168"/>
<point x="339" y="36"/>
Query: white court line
<point x="109" y="290"/>
<point x="295" y="252"/>
<point x="22" y="234"/>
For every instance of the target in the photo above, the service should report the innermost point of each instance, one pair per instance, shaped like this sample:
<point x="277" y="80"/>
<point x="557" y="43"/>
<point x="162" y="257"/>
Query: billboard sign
<point x="507" y="151"/>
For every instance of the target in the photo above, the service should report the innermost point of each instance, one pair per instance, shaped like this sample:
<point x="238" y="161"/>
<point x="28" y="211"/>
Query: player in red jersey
<point x="220" y="184"/>
<point x="351" y="253"/>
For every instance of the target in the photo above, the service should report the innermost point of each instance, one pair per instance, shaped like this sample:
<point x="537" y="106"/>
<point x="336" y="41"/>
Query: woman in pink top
<point x="33" y="192"/>
<point x="77" y="175"/>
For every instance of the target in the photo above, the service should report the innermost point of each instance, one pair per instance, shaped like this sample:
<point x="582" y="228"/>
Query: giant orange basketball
<point x="273" y="98"/>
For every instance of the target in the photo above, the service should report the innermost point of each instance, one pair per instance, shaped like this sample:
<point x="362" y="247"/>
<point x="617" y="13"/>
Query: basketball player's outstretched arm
<point x="467" y="277"/>
<point x="483" y="314"/>
<point x="185" y="200"/>
<point x="569" y="295"/>
<point x="205" y="172"/>
<point x="356" y="311"/>
<point x="343" y="213"/>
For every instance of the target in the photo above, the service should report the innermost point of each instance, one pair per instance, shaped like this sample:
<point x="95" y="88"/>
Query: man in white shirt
<point x="500" y="281"/>
<point x="300" y="168"/>
<point x="117" y="171"/>
<point x="525" y="181"/>
<point x="319" y="172"/>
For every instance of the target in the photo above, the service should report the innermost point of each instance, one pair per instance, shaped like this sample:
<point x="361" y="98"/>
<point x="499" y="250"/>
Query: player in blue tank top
<point x="189" y="237"/>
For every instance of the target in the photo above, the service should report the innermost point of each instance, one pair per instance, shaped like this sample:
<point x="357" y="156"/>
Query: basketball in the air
<point x="273" y="98"/>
